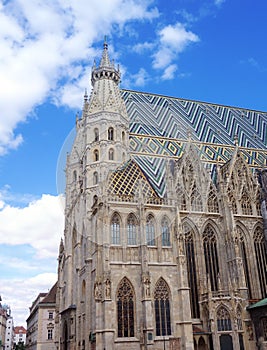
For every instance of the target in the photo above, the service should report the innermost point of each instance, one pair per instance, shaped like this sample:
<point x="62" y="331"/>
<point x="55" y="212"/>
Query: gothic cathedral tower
<point x="122" y="275"/>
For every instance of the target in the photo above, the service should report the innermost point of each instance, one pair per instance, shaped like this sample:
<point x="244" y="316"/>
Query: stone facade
<point x="138" y="270"/>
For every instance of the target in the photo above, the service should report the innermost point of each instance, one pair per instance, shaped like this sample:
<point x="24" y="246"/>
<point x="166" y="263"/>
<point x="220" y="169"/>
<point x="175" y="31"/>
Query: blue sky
<point x="210" y="50"/>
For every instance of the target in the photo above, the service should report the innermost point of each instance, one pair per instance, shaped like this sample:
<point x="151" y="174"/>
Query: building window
<point x="95" y="178"/>
<point x="125" y="309"/>
<point x="191" y="269"/>
<point x="50" y="334"/>
<point x="110" y="134"/>
<point x="111" y="154"/>
<point x="223" y="320"/>
<point x="239" y="318"/>
<point x="96" y="155"/>
<point x="196" y="201"/>
<point x="162" y="308"/>
<point x="131" y="230"/>
<point x="96" y="133"/>
<point x="213" y="206"/>
<point x="246" y="204"/>
<point x="50" y="315"/>
<point x="260" y="250"/>
<point x="165" y="232"/>
<point x="150" y="231"/>
<point x="211" y="256"/>
<point x="115" y="229"/>
<point x="243" y="253"/>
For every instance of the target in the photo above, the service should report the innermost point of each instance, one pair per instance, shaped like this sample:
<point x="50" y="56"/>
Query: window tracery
<point x="246" y="204"/>
<point x="115" y="229"/>
<point x="165" y="232"/>
<point x="150" y="231"/>
<point x="223" y="320"/>
<point x="213" y="206"/>
<point x="131" y="230"/>
<point x="162" y="308"/>
<point x="261" y="258"/>
<point x="191" y="269"/>
<point x="211" y="256"/>
<point x="196" y="201"/>
<point x="125" y="309"/>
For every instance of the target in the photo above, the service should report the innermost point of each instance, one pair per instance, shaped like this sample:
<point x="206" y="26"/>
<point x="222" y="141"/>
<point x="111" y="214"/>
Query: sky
<point x="209" y="50"/>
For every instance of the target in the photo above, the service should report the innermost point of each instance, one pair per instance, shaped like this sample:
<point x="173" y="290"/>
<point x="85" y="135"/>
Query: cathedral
<point x="165" y="224"/>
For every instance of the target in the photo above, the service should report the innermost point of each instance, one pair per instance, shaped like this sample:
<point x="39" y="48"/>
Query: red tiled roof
<point x="19" y="330"/>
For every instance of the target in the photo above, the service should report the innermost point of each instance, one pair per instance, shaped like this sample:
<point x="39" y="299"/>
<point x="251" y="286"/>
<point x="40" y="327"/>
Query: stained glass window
<point x="165" y="232"/>
<point x="223" y="320"/>
<point x="260" y="250"/>
<point x="162" y="308"/>
<point x="131" y="230"/>
<point x="125" y="309"/>
<point x="115" y="229"/>
<point x="150" y="231"/>
<point x="211" y="256"/>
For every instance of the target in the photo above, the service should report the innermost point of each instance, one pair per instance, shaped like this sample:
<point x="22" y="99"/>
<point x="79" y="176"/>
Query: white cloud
<point x="40" y="224"/>
<point x="173" y="39"/>
<point x="44" y="43"/>
<point x="20" y="293"/>
<point x="169" y="72"/>
<point x="218" y="2"/>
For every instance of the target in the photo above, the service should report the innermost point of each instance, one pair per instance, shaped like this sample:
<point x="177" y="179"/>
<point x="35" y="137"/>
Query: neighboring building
<point x="41" y="322"/>
<point x="4" y="309"/>
<point x="164" y="235"/>
<point x="9" y="333"/>
<point x="20" y="335"/>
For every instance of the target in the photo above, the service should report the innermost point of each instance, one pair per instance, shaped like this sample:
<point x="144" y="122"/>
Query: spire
<point x="105" y="62"/>
<point x="106" y="69"/>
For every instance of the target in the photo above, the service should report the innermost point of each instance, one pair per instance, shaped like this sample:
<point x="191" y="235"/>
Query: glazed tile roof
<point x="160" y="127"/>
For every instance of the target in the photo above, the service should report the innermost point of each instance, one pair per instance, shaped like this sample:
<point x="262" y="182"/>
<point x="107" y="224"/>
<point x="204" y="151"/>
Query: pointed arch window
<point x="213" y="206"/>
<point x="95" y="178"/>
<point x="165" y="232"/>
<point x="96" y="134"/>
<point x="223" y="320"/>
<point x="260" y="250"/>
<point x="181" y="197"/>
<point x="111" y="154"/>
<point x="115" y="229"/>
<point x="110" y="134"/>
<point x="211" y="256"/>
<point x="196" y="201"/>
<point x="191" y="269"/>
<point x="96" y="155"/>
<point x="125" y="309"/>
<point x="162" y="308"/>
<point x="246" y="204"/>
<point x="150" y="231"/>
<point x="232" y="201"/>
<point x="243" y="253"/>
<point x="131" y="230"/>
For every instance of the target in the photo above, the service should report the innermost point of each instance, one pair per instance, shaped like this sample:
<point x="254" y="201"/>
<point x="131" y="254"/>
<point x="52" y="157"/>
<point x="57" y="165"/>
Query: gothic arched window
<point x="243" y="253"/>
<point x="95" y="178"/>
<point x="96" y="155"/>
<point x="196" y="201"/>
<point x="165" y="232"/>
<point x="131" y="230"/>
<point x="260" y="250"/>
<point x="223" y="320"/>
<point x="125" y="309"/>
<point x="96" y="133"/>
<point x="150" y="231"/>
<point x="115" y="229"/>
<point x="211" y="256"/>
<point x="162" y="308"/>
<point x="110" y="134"/>
<point x="246" y="204"/>
<point x="191" y="269"/>
<point x="213" y="206"/>
<point x="111" y="154"/>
